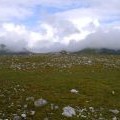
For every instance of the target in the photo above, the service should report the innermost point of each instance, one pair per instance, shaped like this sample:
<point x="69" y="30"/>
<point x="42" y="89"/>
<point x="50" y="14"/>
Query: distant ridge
<point x="5" y="51"/>
<point x="98" y="51"/>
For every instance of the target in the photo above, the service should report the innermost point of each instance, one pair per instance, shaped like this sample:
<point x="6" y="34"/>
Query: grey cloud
<point x="63" y="27"/>
<point x="100" y="39"/>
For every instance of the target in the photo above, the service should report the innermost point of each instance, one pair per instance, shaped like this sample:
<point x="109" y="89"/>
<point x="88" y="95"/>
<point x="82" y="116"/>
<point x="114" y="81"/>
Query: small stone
<point x="40" y="102"/>
<point x="74" y="91"/>
<point x="101" y="118"/>
<point x="25" y="106"/>
<point x="68" y="111"/>
<point x="56" y="107"/>
<point x="16" y="117"/>
<point x="83" y="116"/>
<point x="23" y="115"/>
<point x="114" y="118"/>
<point x="30" y="99"/>
<point x="18" y="85"/>
<point x="52" y="106"/>
<point x="113" y="92"/>
<point x="46" y="119"/>
<point x="32" y="113"/>
<point x="114" y="111"/>
<point x="91" y="109"/>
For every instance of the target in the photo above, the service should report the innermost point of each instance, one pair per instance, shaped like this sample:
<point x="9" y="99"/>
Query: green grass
<point x="53" y="82"/>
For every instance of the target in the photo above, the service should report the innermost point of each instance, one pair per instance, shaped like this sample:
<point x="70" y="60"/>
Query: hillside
<point x="98" y="51"/>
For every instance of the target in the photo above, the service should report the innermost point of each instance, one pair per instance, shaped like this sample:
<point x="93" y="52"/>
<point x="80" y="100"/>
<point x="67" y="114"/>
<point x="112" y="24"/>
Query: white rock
<point x="46" y="119"/>
<point x="114" y="118"/>
<point x="30" y="98"/>
<point x="52" y="106"/>
<point x="91" y="109"/>
<point x="40" y="102"/>
<point x="83" y="116"/>
<point x="16" y="117"/>
<point x="114" y="111"/>
<point x="25" y="106"/>
<point x="56" y="107"/>
<point x="74" y="91"/>
<point x="113" y="92"/>
<point x="23" y="115"/>
<point x="101" y="118"/>
<point x="89" y="61"/>
<point x="68" y="111"/>
<point x="32" y="113"/>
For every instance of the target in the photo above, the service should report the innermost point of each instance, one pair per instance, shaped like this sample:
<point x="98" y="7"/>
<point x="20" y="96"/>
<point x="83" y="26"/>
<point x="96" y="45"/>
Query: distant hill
<point x="98" y="51"/>
<point x="5" y="51"/>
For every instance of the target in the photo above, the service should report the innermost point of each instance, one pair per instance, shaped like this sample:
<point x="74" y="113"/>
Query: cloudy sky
<point x="54" y="25"/>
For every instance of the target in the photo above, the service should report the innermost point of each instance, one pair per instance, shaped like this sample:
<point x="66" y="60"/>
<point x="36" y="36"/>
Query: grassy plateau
<point x="51" y="77"/>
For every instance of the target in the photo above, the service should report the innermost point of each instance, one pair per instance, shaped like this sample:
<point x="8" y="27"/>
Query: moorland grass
<point x="52" y="77"/>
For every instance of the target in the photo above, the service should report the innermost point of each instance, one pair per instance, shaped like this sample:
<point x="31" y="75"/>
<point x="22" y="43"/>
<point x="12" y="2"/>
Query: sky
<point x="53" y="25"/>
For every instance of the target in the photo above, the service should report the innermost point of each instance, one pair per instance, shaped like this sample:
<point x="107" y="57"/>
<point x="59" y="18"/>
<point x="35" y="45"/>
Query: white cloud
<point x="78" y="24"/>
<point x="17" y="37"/>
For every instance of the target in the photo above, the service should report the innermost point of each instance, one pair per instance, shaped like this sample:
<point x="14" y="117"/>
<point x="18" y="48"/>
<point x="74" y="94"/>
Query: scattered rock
<point x="101" y="118"/>
<point x="74" y="91"/>
<point x="40" y="102"/>
<point x="91" y="109"/>
<point x="52" y="106"/>
<point x="32" y="113"/>
<point x="114" y="111"/>
<point x="25" y="106"/>
<point x="56" y="107"/>
<point x="46" y="119"/>
<point x="114" y="118"/>
<point x="30" y="98"/>
<point x="23" y="115"/>
<point x="16" y="117"/>
<point x="68" y="111"/>
<point x="83" y="116"/>
<point x="113" y="92"/>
